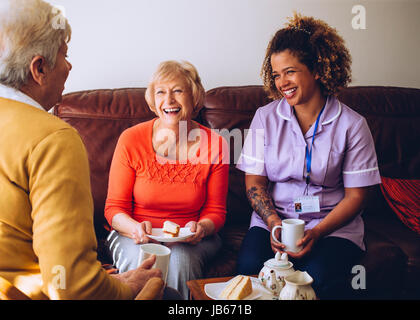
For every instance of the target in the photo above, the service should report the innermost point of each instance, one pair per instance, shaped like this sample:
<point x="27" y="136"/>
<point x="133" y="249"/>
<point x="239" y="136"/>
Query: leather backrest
<point x="232" y="108"/>
<point x="393" y="115"/>
<point x="100" y="116"/>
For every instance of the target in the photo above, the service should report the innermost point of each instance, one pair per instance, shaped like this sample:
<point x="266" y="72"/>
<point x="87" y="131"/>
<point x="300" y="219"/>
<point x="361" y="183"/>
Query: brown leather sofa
<point x="392" y="259"/>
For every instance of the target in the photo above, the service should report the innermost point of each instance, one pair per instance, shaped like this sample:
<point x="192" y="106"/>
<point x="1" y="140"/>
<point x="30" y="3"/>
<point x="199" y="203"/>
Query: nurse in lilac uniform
<point x="307" y="147"/>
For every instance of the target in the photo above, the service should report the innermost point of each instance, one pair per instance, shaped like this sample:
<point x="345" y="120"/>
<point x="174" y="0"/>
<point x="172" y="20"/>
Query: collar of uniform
<point x="13" y="94"/>
<point x="332" y="110"/>
<point x="284" y="110"/>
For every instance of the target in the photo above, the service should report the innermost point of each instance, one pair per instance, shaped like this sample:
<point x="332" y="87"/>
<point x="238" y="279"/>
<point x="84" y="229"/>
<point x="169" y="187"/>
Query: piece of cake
<point x="240" y="287"/>
<point x="170" y="229"/>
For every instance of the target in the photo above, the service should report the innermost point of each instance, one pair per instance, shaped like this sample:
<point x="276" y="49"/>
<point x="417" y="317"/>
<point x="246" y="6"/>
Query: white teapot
<point x="273" y="273"/>
<point x="298" y="287"/>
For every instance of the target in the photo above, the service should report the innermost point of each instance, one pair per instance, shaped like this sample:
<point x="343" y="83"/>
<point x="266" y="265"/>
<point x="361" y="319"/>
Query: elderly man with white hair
<point x="47" y="239"/>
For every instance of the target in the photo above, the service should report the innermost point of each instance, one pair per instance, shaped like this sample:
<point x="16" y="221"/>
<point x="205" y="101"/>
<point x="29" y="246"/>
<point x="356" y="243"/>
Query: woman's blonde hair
<point x="170" y="70"/>
<point x="29" y="28"/>
<point x="316" y="45"/>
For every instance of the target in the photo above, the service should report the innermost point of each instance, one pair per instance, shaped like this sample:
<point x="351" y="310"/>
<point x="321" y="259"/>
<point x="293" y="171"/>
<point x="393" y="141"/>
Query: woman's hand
<point x="200" y="229"/>
<point x="141" y="230"/>
<point x="348" y="208"/>
<point x="307" y="242"/>
<point x="130" y="228"/>
<point x="275" y="220"/>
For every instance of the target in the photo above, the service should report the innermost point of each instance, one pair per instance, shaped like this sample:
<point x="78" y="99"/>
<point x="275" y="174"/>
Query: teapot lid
<point x="279" y="261"/>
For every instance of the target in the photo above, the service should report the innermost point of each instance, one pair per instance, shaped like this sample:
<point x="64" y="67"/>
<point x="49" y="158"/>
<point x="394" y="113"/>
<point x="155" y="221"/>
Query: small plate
<point x="213" y="290"/>
<point x="158" y="235"/>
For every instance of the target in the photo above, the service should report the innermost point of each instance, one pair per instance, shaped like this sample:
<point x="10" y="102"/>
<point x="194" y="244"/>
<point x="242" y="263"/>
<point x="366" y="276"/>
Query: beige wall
<point x="119" y="43"/>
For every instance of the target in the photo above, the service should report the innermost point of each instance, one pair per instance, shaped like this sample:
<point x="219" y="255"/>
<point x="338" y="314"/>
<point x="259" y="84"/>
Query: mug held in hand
<point x="292" y="231"/>
<point x="162" y="253"/>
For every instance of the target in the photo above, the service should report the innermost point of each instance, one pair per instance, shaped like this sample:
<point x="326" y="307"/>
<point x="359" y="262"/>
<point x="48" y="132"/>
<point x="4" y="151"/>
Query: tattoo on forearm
<point x="261" y="202"/>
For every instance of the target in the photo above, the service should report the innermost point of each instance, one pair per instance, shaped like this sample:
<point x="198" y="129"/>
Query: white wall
<point x="119" y="43"/>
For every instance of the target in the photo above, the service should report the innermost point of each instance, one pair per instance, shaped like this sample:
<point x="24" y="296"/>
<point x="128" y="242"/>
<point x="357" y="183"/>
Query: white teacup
<point x="162" y="256"/>
<point x="292" y="231"/>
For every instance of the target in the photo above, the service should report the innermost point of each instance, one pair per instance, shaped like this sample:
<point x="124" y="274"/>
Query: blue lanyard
<point x="308" y="154"/>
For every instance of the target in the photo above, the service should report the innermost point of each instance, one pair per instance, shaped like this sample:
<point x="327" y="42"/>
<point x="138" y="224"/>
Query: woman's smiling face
<point x="173" y="101"/>
<point x="293" y="79"/>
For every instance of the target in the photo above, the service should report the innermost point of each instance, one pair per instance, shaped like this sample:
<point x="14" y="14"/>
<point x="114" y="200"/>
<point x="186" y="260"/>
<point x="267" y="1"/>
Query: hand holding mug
<point x="292" y="230"/>
<point x="276" y="246"/>
<point x="310" y="237"/>
<point x="162" y="256"/>
<point x="137" y="278"/>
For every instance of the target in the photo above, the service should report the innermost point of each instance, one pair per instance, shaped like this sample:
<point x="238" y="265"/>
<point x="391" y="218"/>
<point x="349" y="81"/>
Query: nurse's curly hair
<point x="316" y="45"/>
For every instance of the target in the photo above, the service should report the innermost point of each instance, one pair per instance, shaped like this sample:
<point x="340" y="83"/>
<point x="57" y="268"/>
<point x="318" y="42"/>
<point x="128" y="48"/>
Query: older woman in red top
<point x="169" y="168"/>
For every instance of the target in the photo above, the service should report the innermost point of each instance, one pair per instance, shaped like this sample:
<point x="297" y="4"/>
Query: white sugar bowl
<point x="273" y="273"/>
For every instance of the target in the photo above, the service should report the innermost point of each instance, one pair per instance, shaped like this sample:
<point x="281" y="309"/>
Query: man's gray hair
<point x="28" y="28"/>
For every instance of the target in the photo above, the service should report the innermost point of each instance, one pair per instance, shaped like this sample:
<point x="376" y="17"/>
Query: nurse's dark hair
<point x="316" y="45"/>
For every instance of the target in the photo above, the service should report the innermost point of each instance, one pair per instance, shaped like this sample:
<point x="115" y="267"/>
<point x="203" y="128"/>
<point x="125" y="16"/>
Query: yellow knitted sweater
<point x="47" y="239"/>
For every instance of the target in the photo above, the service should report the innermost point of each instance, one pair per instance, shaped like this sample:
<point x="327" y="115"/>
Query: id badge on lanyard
<point x="307" y="203"/>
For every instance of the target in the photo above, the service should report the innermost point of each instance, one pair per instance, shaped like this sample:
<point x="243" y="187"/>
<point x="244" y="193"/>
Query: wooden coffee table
<point x="197" y="287"/>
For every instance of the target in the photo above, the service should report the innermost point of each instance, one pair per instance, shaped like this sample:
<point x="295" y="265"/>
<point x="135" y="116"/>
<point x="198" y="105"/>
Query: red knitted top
<point x="148" y="187"/>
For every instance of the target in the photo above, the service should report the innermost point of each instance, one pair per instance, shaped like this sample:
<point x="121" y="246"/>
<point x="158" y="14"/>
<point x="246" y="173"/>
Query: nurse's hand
<point x="308" y="241"/>
<point x="276" y="246"/>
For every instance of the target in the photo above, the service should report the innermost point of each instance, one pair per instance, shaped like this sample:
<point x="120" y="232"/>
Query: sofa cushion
<point x="384" y="263"/>
<point x="393" y="115"/>
<point x="393" y="231"/>
<point x="403" y="196"/>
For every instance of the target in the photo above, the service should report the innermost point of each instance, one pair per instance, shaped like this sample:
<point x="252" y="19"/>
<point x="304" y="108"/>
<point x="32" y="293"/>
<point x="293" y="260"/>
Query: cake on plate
<point x="238" y="288"/>
<point x="171" y="229"/>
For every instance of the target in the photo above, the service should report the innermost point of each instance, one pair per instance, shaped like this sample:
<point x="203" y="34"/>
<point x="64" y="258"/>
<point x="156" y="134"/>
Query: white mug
<point x="292" y="231"/>
<point x="162" y="256"/>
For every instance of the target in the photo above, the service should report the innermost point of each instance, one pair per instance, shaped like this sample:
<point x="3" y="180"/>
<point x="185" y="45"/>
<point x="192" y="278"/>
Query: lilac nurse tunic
<point x="343" y="156"/>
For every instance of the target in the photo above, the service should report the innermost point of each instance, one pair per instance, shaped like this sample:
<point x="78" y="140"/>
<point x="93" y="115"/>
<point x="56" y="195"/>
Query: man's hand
<point x="137" y="278"/>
